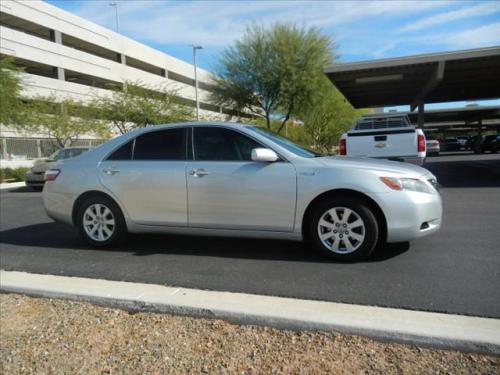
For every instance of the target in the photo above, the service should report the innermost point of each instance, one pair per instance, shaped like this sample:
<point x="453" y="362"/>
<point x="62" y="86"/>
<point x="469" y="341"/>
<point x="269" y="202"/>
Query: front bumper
<point x="410" y="215"/>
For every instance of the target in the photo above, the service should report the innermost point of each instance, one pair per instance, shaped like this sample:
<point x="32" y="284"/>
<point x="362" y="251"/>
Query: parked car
<point x="463" y="142"/>
<point x="471" y="142"/>
<point x="490" y="143"/>
<point x="35" y="177"/>
<point x="432" y="145"/>
<point x="450" y="144"/>
<point x="390" y="137"/>
<point x="240" y="180"/>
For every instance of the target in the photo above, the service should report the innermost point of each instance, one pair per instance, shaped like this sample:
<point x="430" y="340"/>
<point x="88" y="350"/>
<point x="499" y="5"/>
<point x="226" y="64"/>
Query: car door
<point x="226" y="189"/>
<point x="147" y="175"/>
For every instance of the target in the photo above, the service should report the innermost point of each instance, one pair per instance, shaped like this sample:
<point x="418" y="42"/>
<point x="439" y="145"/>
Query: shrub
<point x="16" y="174"/>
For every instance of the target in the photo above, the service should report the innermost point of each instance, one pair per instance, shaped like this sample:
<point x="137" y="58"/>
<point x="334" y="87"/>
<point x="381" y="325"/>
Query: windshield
<point x="66" y="153"/>
<point x="285" y="143"/>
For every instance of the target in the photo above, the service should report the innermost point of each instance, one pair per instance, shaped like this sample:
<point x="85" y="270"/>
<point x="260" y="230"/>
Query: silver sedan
<point x="240" y="180"/>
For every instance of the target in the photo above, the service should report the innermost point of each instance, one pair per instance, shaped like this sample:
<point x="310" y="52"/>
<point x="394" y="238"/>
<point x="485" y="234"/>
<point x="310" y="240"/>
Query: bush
<point x="16" y="174"/>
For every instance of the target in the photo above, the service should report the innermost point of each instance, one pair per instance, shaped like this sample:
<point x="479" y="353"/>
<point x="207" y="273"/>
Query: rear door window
<point x="123" y="152"/>
<point x="169" y="144"/>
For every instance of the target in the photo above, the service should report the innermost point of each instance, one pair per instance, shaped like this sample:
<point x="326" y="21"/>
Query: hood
<point x="395" y="167"/>
<point x="42" y="167"/>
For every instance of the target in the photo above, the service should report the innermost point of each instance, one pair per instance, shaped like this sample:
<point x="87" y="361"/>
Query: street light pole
<point x="114" y="4"/>
<point x="196" y="81"/>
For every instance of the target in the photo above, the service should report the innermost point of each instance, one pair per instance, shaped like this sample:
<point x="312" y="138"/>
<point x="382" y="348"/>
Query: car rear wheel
<point x="100" y="222"/>
<point x="345" y="229"/>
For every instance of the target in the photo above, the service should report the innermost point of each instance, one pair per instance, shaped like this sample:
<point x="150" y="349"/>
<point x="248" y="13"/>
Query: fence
<point x="34" y="148"/>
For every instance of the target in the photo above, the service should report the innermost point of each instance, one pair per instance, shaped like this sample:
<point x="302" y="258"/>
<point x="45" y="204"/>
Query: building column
<point x="478" y="145"/>
<point x="4" y="148"/>
<point x="420" y="115"/>
<point x="123" y="60"/>
<point x="58" y="39"/>
<point x="38" y="149"/>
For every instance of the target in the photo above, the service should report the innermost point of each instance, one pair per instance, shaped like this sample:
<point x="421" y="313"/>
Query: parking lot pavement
<point x="456" y="270"/>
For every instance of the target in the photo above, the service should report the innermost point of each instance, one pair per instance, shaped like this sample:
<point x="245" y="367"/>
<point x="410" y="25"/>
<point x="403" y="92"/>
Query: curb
<point x="385" y="324"/>
<point x="10" y="185"/>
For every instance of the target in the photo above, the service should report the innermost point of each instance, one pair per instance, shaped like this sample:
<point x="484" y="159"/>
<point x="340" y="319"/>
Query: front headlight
<point x="409" y="184"/>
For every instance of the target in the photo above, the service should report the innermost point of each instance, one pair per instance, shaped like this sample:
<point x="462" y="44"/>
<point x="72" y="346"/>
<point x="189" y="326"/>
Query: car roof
<point x="197" y="123"/>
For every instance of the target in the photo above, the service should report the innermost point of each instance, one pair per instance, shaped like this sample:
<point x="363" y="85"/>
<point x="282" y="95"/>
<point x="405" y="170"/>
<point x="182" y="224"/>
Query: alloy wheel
<point x="341" y="230"/>
<point x="99" y="222"/>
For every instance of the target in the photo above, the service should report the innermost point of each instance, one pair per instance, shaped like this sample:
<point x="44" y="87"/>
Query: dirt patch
<point x="60" y="336"/>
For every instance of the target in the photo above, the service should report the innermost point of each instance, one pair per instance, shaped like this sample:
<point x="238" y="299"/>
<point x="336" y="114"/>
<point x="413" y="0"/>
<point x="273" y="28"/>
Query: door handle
<point x="110" y="171"/>
<point x="199" y="172"/>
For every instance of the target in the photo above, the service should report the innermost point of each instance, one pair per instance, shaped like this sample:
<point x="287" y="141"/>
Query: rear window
<point x="368" y="123"/>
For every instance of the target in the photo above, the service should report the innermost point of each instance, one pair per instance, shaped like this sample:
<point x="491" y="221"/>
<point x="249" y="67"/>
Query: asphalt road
<point x="456" y="270"/>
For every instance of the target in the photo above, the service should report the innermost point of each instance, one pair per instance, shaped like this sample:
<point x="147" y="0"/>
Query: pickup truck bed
<point x="387" y="137"/>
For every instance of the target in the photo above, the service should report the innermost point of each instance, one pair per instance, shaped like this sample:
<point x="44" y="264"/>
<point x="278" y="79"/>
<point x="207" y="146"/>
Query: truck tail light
<point x="51" y="174"/>
<point x="342" y="147"/>
<point x="421" y="143"/>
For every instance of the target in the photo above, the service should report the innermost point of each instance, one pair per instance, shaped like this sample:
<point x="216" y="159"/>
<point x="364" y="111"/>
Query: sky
<point x="361" y="30"/>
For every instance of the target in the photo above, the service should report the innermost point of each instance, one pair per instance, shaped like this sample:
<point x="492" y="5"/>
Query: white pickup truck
<point x="385" y="136"/>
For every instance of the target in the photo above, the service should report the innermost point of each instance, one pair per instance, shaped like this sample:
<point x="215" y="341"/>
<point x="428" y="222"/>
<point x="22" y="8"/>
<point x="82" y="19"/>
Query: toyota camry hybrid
<point x="240" y="180"/>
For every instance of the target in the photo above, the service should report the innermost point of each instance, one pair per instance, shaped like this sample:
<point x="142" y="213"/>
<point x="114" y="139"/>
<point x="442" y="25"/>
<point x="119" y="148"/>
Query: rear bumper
<point x="59" y="206"/>
<point x="33" y="179"/>
<point x="411" y="215"/>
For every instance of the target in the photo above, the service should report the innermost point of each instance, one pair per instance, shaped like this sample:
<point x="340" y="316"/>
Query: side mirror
<point x="264" y="154"/>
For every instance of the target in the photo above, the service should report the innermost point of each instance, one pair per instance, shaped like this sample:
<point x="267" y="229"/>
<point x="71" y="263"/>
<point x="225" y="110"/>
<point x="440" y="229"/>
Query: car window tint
<point x="63" y="155"/>
<point x="123" y="152"/>
<point x="76" y="151"/>
<point x="161" y="145"/>
<point x="222" y="144"/>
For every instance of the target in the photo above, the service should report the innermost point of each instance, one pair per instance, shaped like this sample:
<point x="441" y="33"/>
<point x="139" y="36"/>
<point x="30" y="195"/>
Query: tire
<point x="106" y="228"/>
<point x="362" y="239"/>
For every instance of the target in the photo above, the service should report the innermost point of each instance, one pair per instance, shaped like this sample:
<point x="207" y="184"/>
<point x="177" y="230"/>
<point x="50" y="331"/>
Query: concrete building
<point x="67" y="56"/>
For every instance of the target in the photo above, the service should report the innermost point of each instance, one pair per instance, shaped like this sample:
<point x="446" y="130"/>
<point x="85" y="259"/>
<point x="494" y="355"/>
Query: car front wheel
<point x="100" y="222"/>
<point x="344" y="229"/>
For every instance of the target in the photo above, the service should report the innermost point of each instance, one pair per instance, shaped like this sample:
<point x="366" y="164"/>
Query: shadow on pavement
<point x="61" y="236"/>
<point x="466" y="173"/>
<point x="23" y="189"/>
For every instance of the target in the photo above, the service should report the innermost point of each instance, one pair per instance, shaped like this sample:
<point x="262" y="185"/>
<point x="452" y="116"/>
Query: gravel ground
<point x="59" y="336"/>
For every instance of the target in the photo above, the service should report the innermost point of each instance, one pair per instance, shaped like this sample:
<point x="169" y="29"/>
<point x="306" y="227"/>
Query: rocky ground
<point x="60" y="336"/>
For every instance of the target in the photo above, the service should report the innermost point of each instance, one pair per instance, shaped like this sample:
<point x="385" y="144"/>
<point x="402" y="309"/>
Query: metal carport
<point x="414" y="80"/>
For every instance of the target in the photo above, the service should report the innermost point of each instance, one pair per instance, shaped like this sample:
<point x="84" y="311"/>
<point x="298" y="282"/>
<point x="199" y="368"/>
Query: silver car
<point x="35" y="178"/>
<point x="240" y="180"/>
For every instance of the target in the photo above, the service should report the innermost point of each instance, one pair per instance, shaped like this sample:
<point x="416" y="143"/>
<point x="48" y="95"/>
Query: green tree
<point x="272" y="70"/>
<point x="137" y="106"/>
<point x="12" y="107"/>
<point x="64" y="121"/>
<point x="328" y="116"/>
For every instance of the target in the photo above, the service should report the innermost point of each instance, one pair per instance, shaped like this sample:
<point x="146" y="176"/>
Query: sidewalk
<point x="11" y="185"/>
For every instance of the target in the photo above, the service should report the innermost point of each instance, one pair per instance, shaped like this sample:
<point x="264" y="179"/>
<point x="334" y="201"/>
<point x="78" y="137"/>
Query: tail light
<point x="342" y="147"/>
<point x="421" y="143"/>
<point x="51" y="174"/>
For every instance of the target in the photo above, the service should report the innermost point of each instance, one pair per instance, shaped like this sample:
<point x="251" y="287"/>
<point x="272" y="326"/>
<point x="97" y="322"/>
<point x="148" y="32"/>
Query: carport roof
<point x="431" y="78"/>
<point x="452" y="118"/>
<point x="465" y="115"/>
